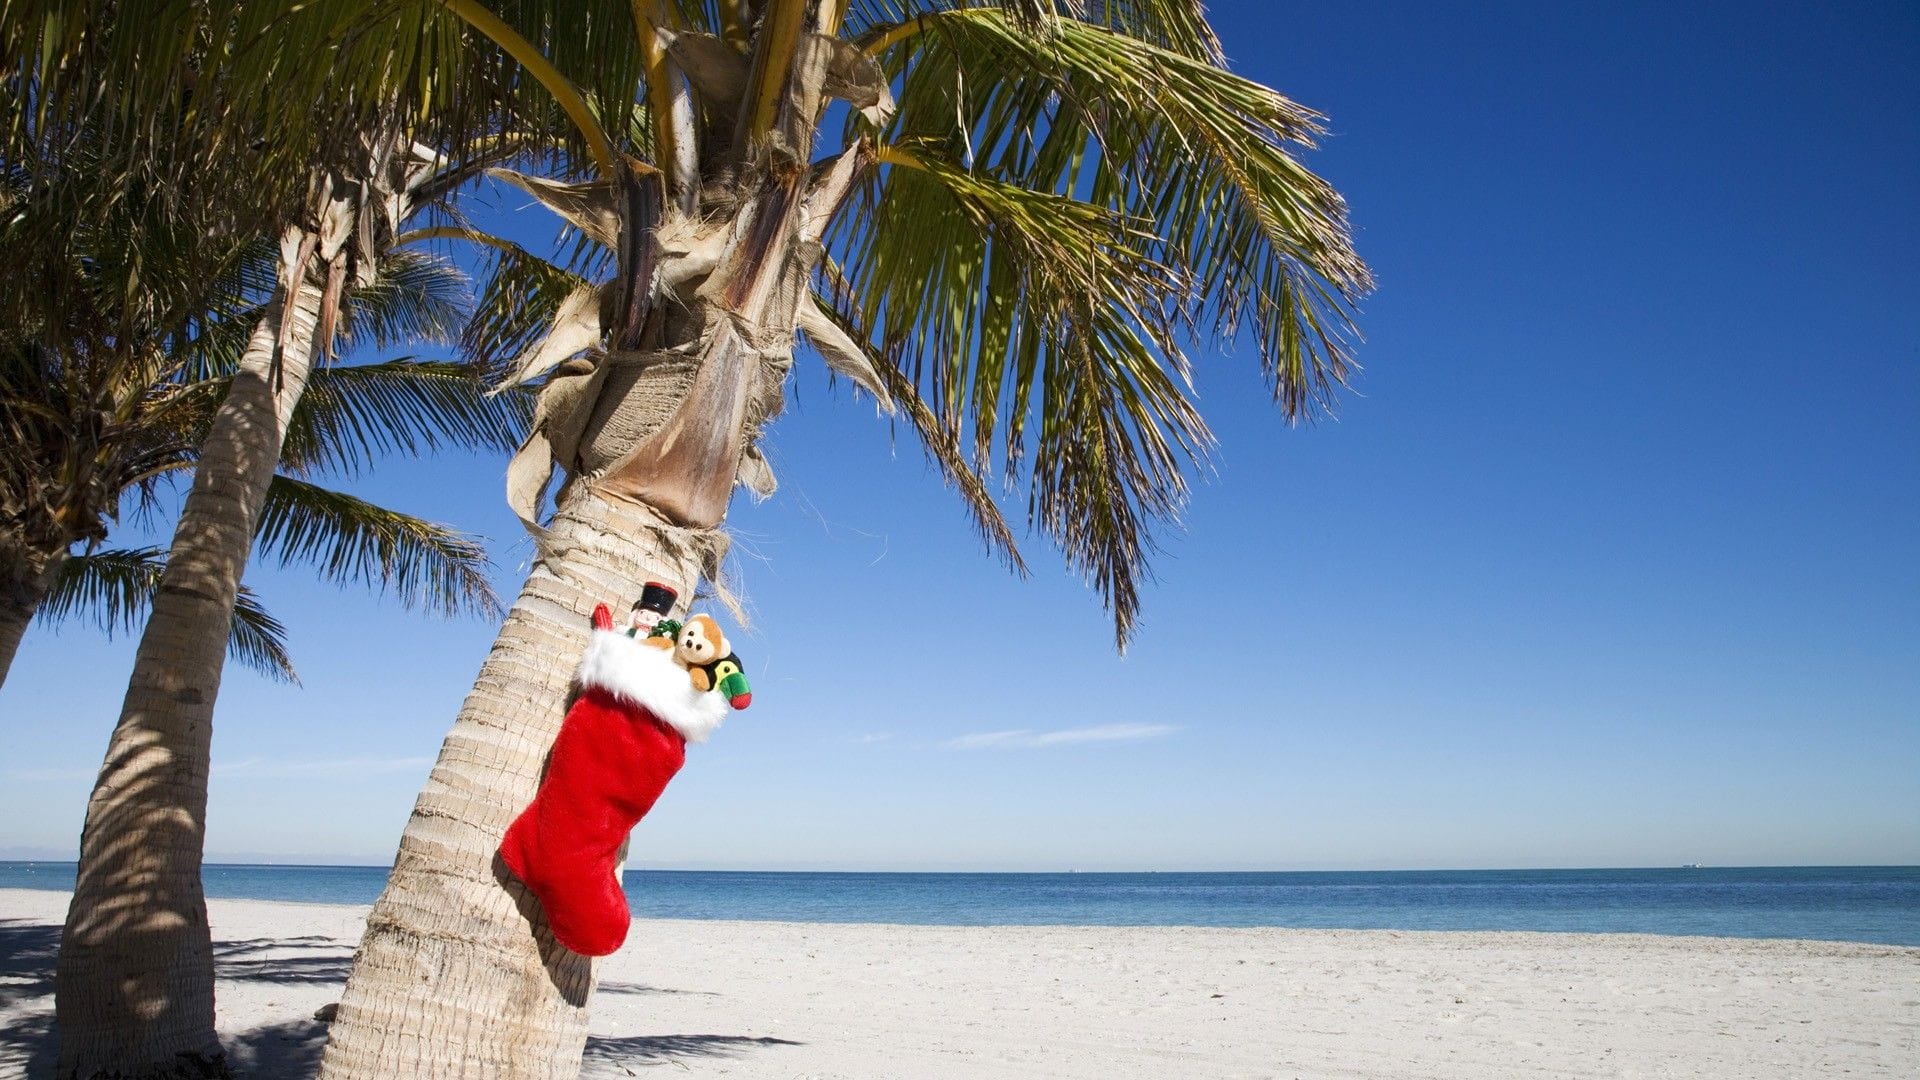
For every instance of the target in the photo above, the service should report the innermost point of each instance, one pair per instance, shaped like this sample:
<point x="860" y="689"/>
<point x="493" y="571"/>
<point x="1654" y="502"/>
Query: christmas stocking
<point x="622" y="740"/>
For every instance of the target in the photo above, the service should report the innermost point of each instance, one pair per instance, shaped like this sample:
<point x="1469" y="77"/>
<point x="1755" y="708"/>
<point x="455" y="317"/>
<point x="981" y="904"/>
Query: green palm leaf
<point x="258" y="640"/>
<point x="1178" y="25"/>
<point x="210" y="344"/>
<point x="1198" y="155"/>
<point x="416" y="296"/>
<point x="942" y="446"/>
<point x="350" y="414"/>
<point x="519" y="295"/>
<point x="1074" y="195"/>
<point x="114" y="588"/>
<point x="350" y="540"/>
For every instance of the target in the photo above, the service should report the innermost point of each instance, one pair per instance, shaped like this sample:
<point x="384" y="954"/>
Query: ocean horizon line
<point x="1869" y="904"/>
<point x="726" y="868"/>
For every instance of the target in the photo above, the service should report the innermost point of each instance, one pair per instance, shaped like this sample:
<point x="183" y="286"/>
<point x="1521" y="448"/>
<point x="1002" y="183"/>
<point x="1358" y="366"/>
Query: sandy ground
<point x="796" y="1000"/>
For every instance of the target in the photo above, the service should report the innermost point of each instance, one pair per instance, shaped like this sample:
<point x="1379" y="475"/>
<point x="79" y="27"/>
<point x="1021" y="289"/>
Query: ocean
<point x="1854" y="903"/>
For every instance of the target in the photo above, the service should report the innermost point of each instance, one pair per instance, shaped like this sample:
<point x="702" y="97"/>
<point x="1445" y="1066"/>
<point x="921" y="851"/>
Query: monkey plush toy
<point x="702" y="649"/>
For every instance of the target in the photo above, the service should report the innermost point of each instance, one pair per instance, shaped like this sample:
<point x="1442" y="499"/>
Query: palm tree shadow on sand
<point x="291" y="1048"/>
<point x="660" y="1049"/>
<point x="27" y="951"/>
<point x="324" y="961"/>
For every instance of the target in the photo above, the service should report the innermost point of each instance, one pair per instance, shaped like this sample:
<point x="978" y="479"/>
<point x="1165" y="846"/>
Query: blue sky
<point x="1608" y="561"/>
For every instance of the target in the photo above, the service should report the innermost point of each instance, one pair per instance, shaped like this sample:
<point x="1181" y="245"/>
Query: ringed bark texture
<point x="134" y="983"/>
<point x="458" y="975"/>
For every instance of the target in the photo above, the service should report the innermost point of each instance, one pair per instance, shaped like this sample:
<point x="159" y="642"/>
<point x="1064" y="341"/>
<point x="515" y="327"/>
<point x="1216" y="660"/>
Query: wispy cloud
<point x="871" y="737"/>
<point x="272" y="768"/>
<point x="1028" y="739"/>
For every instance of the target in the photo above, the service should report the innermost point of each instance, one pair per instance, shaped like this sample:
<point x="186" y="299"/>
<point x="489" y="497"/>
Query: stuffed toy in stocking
<point x="623" y="738"/>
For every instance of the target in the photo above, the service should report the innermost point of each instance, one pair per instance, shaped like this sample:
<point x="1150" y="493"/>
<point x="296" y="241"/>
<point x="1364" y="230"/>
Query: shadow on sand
<point x="27" y="951"/>
<point x="659" y="1049"/>
<point x="324" y="960"/>
<point x="291" y="1049"/>
<point x="636" y="988"/>
<point x="287" y="1050"/>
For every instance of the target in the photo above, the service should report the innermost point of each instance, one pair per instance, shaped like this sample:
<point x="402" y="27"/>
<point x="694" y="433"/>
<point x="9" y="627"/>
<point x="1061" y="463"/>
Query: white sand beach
<point x="790" y="1000"/>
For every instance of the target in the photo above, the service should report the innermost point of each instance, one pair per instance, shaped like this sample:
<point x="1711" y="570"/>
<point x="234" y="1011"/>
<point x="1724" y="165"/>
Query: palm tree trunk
<point x="134" y="986"/>
<point x="458" y="975"/>
<point x="21" y="599"/>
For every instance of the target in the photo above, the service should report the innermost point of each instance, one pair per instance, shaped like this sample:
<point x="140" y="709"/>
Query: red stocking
<point x="622" y="740"/>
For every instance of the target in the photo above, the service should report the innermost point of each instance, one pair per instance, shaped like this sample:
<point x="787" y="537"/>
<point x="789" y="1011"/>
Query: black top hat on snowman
<point x="656" y="597"/>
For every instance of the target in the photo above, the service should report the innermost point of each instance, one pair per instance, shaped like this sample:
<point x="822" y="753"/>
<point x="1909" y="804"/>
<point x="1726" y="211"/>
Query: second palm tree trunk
<point x="134" y="984"/>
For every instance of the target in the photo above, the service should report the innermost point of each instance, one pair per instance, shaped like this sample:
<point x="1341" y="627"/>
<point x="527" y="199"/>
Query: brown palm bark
<point x="21" y="596"/>
<point x="457" y="975"/>
<point x="134" y="984"/>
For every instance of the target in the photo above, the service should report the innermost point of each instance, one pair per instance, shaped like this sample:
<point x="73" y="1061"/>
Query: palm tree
<point x="136" y="936"/>
<point x="247" y="119"/>
<point x="112" y="416"/>
<point x="98" y="430"/>
<point x="1031" y="211"/>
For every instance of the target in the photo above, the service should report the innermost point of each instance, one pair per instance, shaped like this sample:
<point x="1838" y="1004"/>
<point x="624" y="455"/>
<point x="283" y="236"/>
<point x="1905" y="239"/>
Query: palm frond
<point x="114" y="124"/>
<point x="943" y="447"/>
<point x="1201" y="156"/>
<point x="211" y="113"/>
<point x="1177" y="25"/>
<point x="350" y="540"/>
<point x="211" y="343"/>
<point x="114" y="589"/>
<point x="351" y="414"/>
<point x="214" y="346"/>
<point x="416" y="297"/>
<point x="110" y="588"/>
<point x="519" y="295"/>
<point x="1030" y="303"/>
<point x="218" y="112"/>
<point x="258" y="640"/>
<point x="591" y="43"/>
<point x="1065" y="209"/>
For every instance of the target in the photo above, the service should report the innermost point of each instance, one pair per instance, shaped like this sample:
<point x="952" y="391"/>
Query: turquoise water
<point x="1874" y="904"/>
